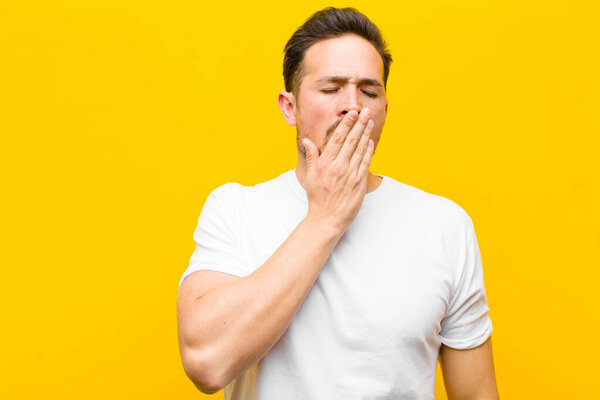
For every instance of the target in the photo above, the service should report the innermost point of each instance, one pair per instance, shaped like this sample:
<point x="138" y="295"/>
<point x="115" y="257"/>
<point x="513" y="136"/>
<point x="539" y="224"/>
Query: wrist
<point x="323" y="226"/>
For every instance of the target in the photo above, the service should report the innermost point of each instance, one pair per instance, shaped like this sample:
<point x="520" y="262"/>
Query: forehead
<point x="348" y="55"/>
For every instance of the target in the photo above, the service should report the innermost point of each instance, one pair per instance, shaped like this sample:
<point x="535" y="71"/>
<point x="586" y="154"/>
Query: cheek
<point x="378" y="122"/>
<point x="314" y="120"/>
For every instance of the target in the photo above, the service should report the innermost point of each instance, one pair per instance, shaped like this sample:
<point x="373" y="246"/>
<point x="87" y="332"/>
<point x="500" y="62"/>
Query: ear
<point x="287" y="105"/>
<point x="385" y="115"/>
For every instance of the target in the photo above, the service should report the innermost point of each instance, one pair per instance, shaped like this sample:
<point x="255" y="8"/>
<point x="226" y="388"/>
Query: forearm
<point x="236" y="324"/>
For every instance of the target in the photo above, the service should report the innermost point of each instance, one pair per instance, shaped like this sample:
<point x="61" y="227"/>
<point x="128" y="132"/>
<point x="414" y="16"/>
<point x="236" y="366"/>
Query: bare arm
<point x="230" y="327"/>
<point x="469" y="374"/>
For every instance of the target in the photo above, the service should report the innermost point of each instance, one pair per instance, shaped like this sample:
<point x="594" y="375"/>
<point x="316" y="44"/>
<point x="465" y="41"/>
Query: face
<point x="340" y="74"/>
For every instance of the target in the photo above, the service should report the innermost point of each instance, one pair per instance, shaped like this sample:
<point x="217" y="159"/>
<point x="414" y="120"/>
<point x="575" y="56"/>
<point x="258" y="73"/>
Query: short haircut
<point x="329" y="23"/>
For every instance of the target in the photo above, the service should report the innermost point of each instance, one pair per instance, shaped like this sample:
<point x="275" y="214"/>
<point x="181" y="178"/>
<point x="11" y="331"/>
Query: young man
<point x="330" y="282"/>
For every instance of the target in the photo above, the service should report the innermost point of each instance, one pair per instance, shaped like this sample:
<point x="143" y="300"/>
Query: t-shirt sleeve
<point x="217" y="236"/>
<point x="467" y="324"/>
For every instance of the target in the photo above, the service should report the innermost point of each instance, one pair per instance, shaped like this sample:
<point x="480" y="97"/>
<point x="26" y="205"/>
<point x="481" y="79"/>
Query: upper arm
<point x="193" y="287"/>
<point x="469" y="374"/>
<point x="201" y="281"/>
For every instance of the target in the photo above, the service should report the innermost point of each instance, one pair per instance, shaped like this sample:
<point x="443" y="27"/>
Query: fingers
<point x="353" y="137"/>
<point x="311" y="152"/>
<point x="361" y="149"/>
<point x="339" y="135"/>
<point x="366" y="161"/>
<point x="350" y="144"/>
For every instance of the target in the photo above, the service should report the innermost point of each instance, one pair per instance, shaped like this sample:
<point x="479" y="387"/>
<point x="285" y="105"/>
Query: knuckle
<point x="339" y="170"/>
<point x="362" y="148"/>
<point x="338" y="139"/>
<point x="358" y="153"/>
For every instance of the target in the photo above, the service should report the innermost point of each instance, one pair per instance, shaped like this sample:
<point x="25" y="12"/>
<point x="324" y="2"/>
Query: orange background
<point x="117" y="118"/>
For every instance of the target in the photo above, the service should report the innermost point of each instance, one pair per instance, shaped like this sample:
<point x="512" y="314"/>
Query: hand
<point x="336" y="180"/>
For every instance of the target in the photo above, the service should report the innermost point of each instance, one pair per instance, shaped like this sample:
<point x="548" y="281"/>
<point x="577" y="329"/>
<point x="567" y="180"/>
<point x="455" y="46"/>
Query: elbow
<point x="202" y="372"/>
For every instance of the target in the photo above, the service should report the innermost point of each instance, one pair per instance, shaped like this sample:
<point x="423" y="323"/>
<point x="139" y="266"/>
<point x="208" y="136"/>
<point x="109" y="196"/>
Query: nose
<point x="350" y="101"/>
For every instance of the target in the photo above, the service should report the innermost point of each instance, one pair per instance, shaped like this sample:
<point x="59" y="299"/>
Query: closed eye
<point x="369" y="94"/>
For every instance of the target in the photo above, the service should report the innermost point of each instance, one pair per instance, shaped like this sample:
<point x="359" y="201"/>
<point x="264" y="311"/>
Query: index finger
<point x="340" y="130"/>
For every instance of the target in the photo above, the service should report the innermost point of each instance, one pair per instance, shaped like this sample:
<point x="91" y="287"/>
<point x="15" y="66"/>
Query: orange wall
<point x="117" y="118"/>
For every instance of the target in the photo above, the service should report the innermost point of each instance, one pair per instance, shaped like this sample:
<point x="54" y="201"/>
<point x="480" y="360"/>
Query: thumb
<point x="311" y="151"/>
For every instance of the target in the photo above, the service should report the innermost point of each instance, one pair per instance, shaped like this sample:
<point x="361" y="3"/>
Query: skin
<point x="469" y="374"/>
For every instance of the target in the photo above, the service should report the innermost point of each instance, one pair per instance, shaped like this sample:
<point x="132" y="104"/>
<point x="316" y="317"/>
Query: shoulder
<point x="227" y="190"/>
<point x="232" y="192"/>
<point x="429" y="207"/>
<point x="224" y="197"/>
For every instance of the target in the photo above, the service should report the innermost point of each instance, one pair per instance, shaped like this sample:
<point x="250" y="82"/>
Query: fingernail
<point x="365" y="112"/>
<point x="352" y="115"/>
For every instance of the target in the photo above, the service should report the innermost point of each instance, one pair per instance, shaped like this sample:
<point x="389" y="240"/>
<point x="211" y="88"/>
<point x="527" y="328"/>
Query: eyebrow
<point x="344" y="79"/>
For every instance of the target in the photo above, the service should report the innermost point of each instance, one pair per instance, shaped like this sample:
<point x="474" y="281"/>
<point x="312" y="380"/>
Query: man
<point x="330" y="282"/>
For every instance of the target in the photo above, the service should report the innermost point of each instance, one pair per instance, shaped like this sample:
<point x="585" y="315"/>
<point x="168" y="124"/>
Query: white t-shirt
<point x="404" y="278"/>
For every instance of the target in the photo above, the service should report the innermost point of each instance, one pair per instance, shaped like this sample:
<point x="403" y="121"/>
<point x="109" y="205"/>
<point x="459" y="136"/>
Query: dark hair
<point x="329" y="23"/>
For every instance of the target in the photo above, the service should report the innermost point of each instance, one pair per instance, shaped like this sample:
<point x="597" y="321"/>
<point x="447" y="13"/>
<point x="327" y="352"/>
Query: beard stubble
<point x="328" y="134"/>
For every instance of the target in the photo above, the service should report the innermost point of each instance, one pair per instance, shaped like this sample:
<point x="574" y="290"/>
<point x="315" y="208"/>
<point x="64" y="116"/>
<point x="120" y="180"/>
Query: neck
<point x="373" y="181"/>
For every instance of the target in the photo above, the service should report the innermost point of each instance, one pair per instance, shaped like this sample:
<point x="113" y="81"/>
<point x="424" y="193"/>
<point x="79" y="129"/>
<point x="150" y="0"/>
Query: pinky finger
<point x="366" y="161"/>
